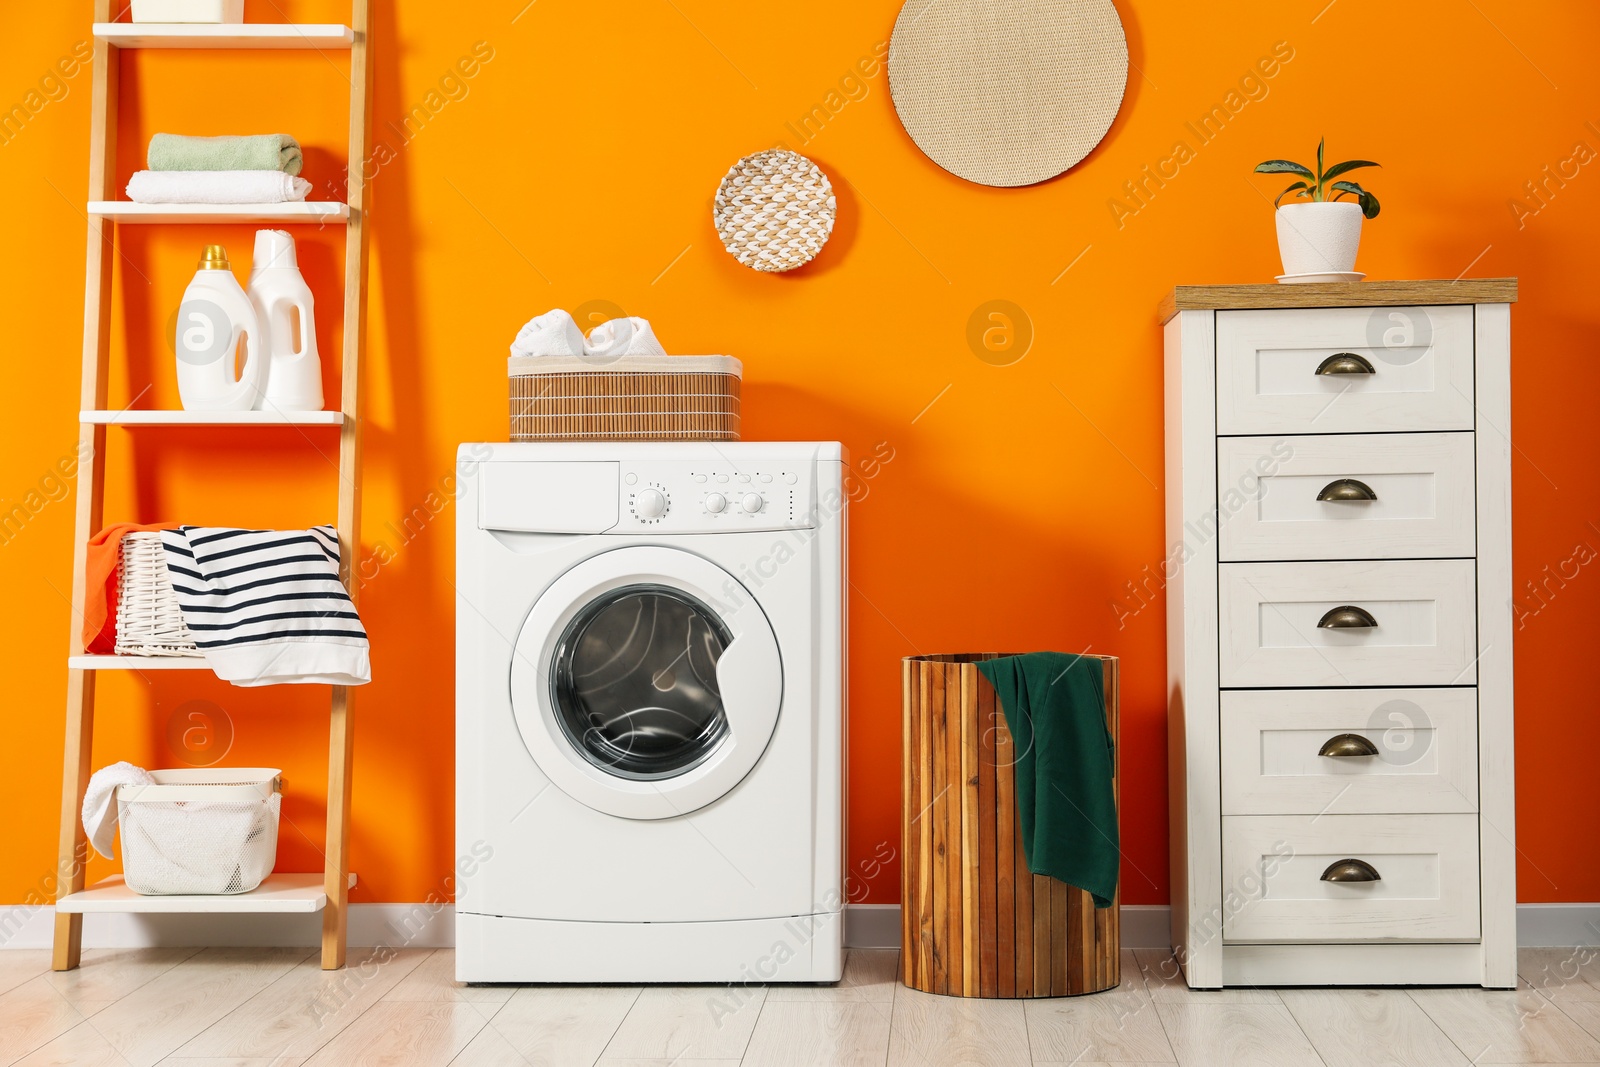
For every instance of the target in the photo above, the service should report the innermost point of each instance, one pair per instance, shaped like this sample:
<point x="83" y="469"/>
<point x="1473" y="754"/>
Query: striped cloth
<point x="266" y="607"/>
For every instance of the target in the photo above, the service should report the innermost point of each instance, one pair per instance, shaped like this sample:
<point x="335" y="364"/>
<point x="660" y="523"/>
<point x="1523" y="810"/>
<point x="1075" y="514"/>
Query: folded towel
<point x="215" y="187"/>
<point x="623" y="337"/>
<point x="102" y="581"/>
<point x="266" y="151"/>
<point x="551" y="334"/>
<point x="1055" y="706"/>
<point x="266" y="606"/>
<point x="99" y="802"/>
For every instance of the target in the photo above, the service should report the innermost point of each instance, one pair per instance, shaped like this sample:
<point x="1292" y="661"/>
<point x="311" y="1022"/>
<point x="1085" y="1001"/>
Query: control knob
<point x="716" y="503"/>
<point x="751" y="503"/>
<point x="650" y="504"/>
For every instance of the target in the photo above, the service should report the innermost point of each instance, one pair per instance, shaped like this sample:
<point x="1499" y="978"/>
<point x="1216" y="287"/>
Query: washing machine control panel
<point x="684" y="497"/>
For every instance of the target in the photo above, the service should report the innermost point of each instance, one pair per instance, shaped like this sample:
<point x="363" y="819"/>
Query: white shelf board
<point x="312" y="211"/>
<point x="225" y="35"/>
<point x="137" y="663"/>
<point x="278" y="893"/>
<point x="145" y="417"/>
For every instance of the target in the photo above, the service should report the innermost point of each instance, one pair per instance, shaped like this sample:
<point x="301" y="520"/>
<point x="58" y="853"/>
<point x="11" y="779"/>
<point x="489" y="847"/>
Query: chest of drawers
<point x="1339" y="631"/>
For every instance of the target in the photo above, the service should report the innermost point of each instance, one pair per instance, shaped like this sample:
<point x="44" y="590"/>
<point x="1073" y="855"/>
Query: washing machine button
<point x="751" y="503"/>
<point x="716" y="503"/>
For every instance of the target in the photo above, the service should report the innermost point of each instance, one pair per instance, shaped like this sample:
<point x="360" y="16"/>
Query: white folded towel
<point x="551" y="334"/>
<point x="215" y="187"/>
<point x="623" y="337"/>
<point x="100" y="802"/>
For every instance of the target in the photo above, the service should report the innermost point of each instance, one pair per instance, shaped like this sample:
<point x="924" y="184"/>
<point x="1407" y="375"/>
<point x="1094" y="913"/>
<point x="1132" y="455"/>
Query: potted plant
<point x="1319" y="238"/>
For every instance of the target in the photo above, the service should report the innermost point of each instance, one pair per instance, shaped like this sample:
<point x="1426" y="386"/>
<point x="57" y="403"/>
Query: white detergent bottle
<point x="283" y="303"/>
<point x="221" y="361"/>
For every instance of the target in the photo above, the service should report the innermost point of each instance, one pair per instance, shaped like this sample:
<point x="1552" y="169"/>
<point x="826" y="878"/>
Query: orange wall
<point x="578" y="165"/>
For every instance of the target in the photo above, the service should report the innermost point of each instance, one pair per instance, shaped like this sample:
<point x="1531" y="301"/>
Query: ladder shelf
<point x="327" y="892"/>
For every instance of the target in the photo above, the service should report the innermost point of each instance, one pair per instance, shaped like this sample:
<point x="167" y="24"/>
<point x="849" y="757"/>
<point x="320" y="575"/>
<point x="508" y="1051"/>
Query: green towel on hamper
<point x="1055" y="706"/>
<point x="265" y="151"/>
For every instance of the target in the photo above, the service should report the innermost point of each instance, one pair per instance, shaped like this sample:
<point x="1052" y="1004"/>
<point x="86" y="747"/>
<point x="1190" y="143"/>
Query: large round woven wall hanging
<point x="774" y="210"/>
<point x="1007" y="92"/>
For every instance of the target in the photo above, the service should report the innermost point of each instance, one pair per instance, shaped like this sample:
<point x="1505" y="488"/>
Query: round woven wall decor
<point x="1007" y="92"/>
<point x="774" y="210"/>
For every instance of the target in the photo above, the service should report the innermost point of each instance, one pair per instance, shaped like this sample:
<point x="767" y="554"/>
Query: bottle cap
<point x="274" y="248"/>
<point x="215" y="257"/>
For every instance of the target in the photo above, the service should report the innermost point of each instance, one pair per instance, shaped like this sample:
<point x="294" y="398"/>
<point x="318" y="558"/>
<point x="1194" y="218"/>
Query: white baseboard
<point x="433" y="926"/>
<point x="1557" y="925"/>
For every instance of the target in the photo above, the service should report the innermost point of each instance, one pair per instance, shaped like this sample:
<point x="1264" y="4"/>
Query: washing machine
<point x="650" y="712"/>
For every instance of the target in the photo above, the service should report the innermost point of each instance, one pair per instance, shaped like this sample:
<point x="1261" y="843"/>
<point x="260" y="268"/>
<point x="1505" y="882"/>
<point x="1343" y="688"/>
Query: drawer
<point x="1418" y="363"/>
<point x="1275" y="869"/>
<point x="1396" y="496"/>
<point x="1279" y="624"/>
<point x="1423" y="751"/>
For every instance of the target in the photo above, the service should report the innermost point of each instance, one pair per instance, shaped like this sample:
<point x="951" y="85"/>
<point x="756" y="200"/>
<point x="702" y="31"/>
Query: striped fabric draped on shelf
<point x="266" y="607"/>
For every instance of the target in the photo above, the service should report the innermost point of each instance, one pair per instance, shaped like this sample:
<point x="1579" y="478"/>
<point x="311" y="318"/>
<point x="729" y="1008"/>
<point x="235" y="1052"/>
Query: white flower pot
<point x="1319" y="238"/>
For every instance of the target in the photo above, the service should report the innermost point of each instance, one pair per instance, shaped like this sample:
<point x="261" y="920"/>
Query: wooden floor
<point x="277" y="1007"/>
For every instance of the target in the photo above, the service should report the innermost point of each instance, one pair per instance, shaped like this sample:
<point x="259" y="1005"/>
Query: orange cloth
<point x="100" y="587"/>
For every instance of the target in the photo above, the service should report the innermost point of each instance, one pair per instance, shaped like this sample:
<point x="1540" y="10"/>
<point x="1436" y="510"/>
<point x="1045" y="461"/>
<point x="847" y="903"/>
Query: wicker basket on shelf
<point x="149" y="622"/>
<point x="661" y="398"/>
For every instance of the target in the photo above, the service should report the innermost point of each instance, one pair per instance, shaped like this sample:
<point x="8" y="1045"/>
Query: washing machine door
<point x="646" y="682"/>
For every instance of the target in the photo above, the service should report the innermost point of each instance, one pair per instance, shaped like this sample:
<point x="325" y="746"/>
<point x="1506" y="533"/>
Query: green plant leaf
<point x="1348" y="166"/>
<point x="1321" y="177"/>
<point x="1297" y="185"/>
<point x="1369" y="203"/>
<point x="1284" y="166"/>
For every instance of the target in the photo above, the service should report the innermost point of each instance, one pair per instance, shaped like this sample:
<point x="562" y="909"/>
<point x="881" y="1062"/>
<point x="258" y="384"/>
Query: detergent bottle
<point x="282" y="301"/>
<point x="221" y="361"/>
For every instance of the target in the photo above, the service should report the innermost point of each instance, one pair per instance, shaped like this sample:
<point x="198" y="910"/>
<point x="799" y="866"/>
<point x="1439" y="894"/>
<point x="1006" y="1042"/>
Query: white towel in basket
<point x="197" y="846"/>
<point x="552" y="334"/>
<point x="100" y="802"/>
<point x="266" y="607"/>
<point x="631" y="336"/>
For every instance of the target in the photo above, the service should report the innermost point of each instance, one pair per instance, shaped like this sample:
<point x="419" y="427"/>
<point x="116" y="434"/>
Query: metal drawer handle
<point x="1350" y="870"/>
<point x="1346" y="745"/>
<point x="1346" y="489"/>
<point x="1346" y="363"/>
<point x="1347" y="617"/>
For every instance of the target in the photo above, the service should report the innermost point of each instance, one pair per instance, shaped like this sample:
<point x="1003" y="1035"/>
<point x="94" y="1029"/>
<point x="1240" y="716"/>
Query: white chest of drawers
<point x="1339" y="632"/>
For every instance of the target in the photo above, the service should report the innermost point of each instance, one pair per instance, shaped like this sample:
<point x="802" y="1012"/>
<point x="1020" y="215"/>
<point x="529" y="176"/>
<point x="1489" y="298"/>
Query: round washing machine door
<point x="646" y="682"/>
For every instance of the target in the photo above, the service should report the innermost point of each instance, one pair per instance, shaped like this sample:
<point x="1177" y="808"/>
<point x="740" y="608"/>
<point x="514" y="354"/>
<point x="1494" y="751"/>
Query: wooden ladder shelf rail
<point x="73" y="852"/>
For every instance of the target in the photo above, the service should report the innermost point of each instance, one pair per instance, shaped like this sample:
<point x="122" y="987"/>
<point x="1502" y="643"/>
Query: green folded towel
<point x="1055" y="706"/>
<point x="266" y="151"/>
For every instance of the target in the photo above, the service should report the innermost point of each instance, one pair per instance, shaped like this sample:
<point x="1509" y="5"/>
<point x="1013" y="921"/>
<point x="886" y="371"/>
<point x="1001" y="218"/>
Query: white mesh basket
<point x="149" y="621"/>
<point x="205" y="831"/>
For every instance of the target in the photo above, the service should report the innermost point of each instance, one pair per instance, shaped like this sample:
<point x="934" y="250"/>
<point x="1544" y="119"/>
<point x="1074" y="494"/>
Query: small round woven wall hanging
<point x="774" y="210"/>
<point x="1007" y="92"/>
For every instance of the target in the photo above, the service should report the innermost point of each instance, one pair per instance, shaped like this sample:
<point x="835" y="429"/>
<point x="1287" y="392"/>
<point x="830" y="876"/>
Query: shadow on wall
<point x="407" y="607"/>
<point x="977" y="588"/>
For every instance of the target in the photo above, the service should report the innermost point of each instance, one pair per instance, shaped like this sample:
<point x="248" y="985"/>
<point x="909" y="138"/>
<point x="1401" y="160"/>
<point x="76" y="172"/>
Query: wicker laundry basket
<point x="149" y="622"/>
<point x="671" y="398"/>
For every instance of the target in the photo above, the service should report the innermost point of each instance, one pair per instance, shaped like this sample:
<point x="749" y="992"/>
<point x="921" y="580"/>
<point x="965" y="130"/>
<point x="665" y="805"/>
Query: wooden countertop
<point x="1338" y="294"/>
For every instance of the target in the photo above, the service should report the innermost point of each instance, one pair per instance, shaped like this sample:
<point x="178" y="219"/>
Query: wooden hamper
<point x="659" y="398"/>
<point x="974" y="921"/>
